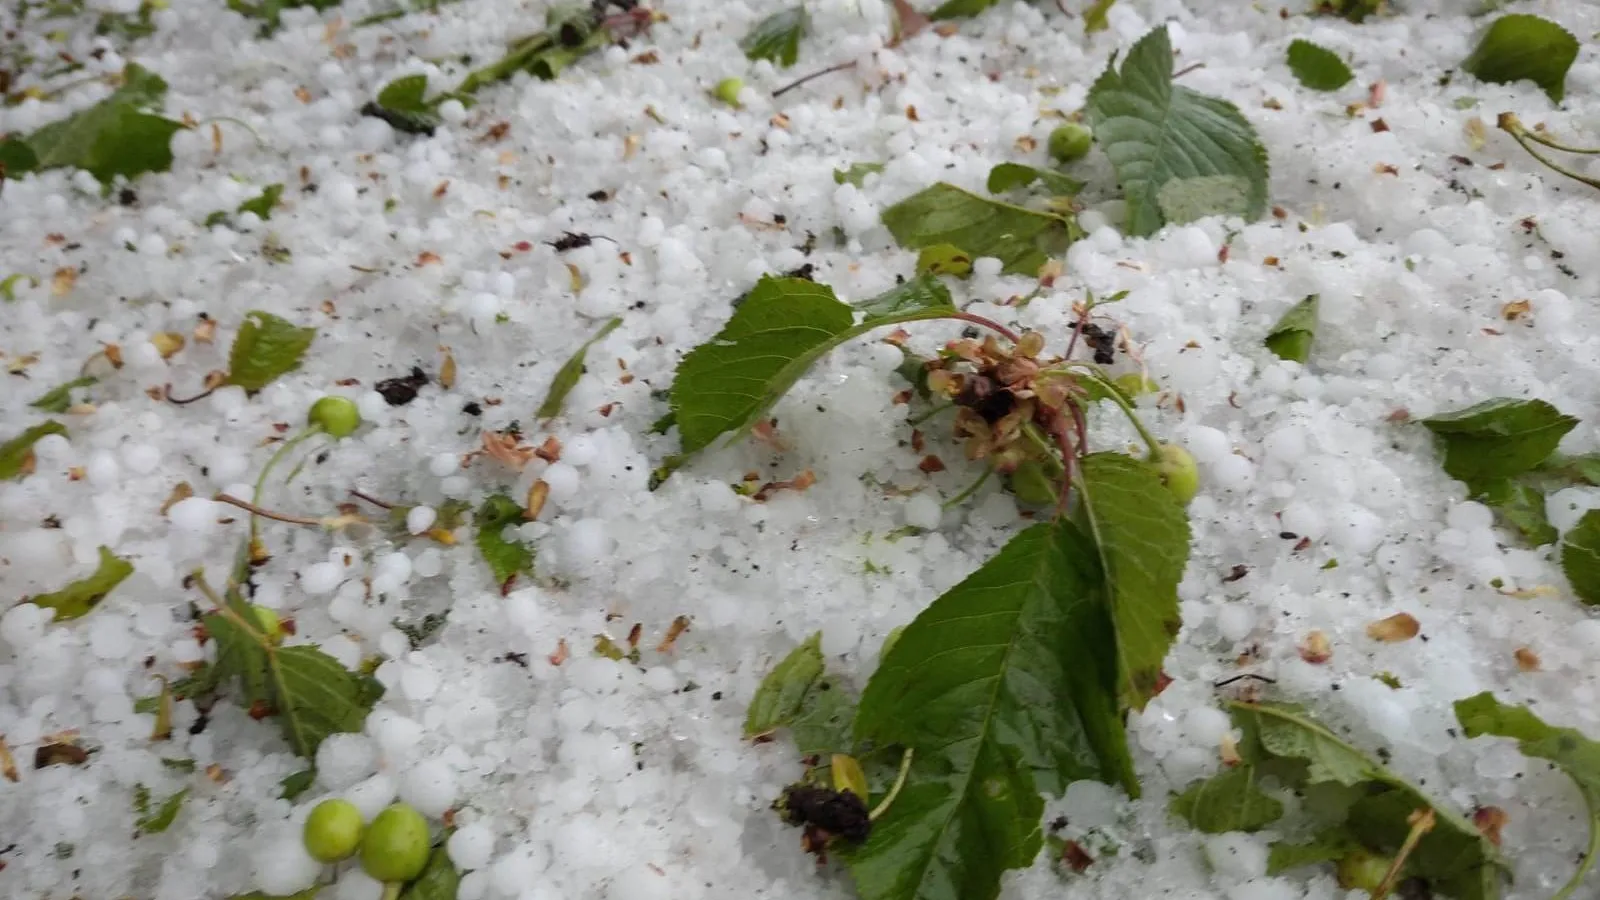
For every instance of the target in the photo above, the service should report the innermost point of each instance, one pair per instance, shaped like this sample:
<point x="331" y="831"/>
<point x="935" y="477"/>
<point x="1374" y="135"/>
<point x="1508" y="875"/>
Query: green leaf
<point x="1141" y="535"/>
<point x="960" y="9"/>
<point x="1229" y="801"/>
<point x="1499" y="438"/>
<point x="155" y="821"/>
<point x="856" y="173"/>
<point x="783" y="326"/>
<point x="923" y="294"/>
<point x="311" y="694"/>
<point x="944" y="259"/>
<point x="824" y="723"/>
<point x="59" y="399"/>
<point x="1328" y="847"/>
<point x="8" y="285"/>
<point x="404" y="105"/>
<point x="1178" y="154"/>
<point x="1095" y="16"/>
<point x="1581" y="469"/>
<point x="1350" y="10"/>
<point x="16" y="455"/>
<point x="1022" y="239"/>
<point x="266" y="348"/>
<point x="309" y="893"/>
<point x="1317" y="67"/>
<point x="778" y="700"/>
<point x="506" y="558"/>
<point x="1009" y="175"/>
<point x="777" y="37"/>
<point x="438" y="881"/>
<point x="296" y="783"/>
<point x="1520" y="506"/>
<point x="263" y="203"/>
<point x="1372" y="804"/>
<point x="79" y="598"/>
<point x="1291" y="338"/>
<point x="567" y="376"/>
<point x="848" y="775"/>
<point x="117" y="136"/>
<point x="186" y="766"/>
<point x="1580" y="558"/>
<point x="1004" y="687"/>
<point x="1568" y="748"/>
<point x="1525" y="48"/>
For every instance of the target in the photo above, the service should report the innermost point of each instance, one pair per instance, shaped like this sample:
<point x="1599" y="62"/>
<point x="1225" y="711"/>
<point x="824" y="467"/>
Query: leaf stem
<point x="1511" y="125"/>
<point x="391" y="890"/>
<point x="894" y="789"/>
<point x="370" y="499"/>
<point x="1592" y="800"/>
<point x="970" y="490"/>
<point x="239" y="122"/>
<point x="282" y="451"/>
<point x="255" y="510"/>
<point x="1422" y="822"/>
<point x="840" y="67"/>
<point x="1114" y="394"/>
<point x="990" y="324"/>
<point x="918" y="420"/>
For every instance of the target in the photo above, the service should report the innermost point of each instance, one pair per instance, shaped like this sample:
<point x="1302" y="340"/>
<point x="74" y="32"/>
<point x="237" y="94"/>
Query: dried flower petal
<point x="1315" y="648"/>
<point x="1398" y="627"/>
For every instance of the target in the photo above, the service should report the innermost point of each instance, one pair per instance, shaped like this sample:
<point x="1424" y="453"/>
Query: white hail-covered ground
<point x="595" y="779"/>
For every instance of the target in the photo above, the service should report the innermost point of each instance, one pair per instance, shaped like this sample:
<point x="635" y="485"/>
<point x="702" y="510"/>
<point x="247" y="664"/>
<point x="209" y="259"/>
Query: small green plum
<point x="338" y="416"/>
<point x="395" y="847"/>
<point x="1132" y="384"/>
<point x="270" y="623"/>
<point x="1070" y="142"/>
<point x="727" y="90"/>
<point x="333" y="830"/>
<point x="1178" y="472"/>
<point x="1360" y="870"/>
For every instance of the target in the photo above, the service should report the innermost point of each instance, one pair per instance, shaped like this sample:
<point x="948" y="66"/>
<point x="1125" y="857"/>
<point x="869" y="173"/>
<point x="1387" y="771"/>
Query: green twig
<point x="894" y="790"/>
<point x="1114" y="394"/>
<point x="1509" y="123"/>
<point x="260" y="143"/>
<point x="971" y="489"/>
<point x="918" y="420"/>
<point x="283" y="450"/>
<point x="1592" y="799"/>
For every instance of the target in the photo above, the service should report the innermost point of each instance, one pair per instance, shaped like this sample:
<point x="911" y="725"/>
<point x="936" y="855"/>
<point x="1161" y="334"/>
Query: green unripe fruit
<point x="1032" y="484"/>
<point x="333" y="831"/>
<point x="1360" y="870"/>
<point x="1178" y="472"/>
<point x="395" y="847"/>
<point x="1132" y="384"/>
<point x="270" y="623"/>
<point x="727" y="90"/>
<point x="338" y="416"/>
<point x="1070" y="141"/>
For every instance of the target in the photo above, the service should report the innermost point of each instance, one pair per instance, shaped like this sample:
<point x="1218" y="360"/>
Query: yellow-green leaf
<point x="1291" y="338"/>
<point x="17" y="453"/>
<point x="1022" y="239"/>
<point x="79" y="598"/>
<point x="848" y="775"/>
<point x="569" y="373"/>
<point x="779" y="697"/>
<point x="506" y="558"/>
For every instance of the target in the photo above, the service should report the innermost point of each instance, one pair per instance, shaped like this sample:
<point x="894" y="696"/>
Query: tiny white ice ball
<point x="343" y="649"/>
<point x="922" y="511"/>
<point x="473" y="886"/>
<point x="194" y="515"/>
<point x="471" y="846"/>
<point x="1470" y="516"/>
<point x="372" y="406"/>
<point x="282" y="865"/>
<point x="1234" y="621"/>
<point x="355" y="884"/>
<point x="1206" y="444"/>
<point x="514" y="871"/>
<point x="141" y="459"/>
<point x="1233" y="472"/>
<point x="1586" y="634"/>
<point x="430" y="786"/>
<point x="372" y="795"/>
<point x="420" y="519"/>
<point x="640" y="883"/>
<point x="589" y="540"/>
<point x="429" y="562"/>
<point x="22" y="625"/>
<point x="1236" y="856"/>
<point x="1205" y="725"/>
<point x="1090" y="804"/>
<point x="321" y="578"/>
<point x="987" y="267"/>
<point x="563" y="481"/>
<point x="344" y="759"/>
<point x="443" y="464"/>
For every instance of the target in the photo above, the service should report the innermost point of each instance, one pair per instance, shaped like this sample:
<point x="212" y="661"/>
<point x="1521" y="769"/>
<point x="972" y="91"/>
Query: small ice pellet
<point x="355" y="884"/>
<point x="420" y="519"/>
<point x="372" y="795"/>
<point x="1234" y="621"/>
<point x="443" y="464"/>
<point x="194" y="515"/>
<point x="321" y="578"/>
<point x="471" y="846"/>
<point x="430" y="786"/>
<point x="429" y="563"/>
<point x="1205" y="725"/>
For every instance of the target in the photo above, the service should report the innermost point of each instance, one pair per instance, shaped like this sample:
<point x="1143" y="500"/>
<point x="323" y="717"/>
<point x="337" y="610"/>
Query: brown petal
<point x="1398" y="627"/>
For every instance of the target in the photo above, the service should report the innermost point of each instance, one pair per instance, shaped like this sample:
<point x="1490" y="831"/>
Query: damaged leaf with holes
<point x="266" y="348"/>
<point x="507" y="558"/>
<point x="777" y="37"/>
<point x="945" y="215"/>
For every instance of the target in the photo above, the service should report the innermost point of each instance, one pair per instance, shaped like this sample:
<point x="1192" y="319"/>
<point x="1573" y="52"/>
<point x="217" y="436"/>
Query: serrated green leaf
<point x="1521" y="47"/>
<point x="439" y="879"/>
<point x="1009" y="175"/>
<point x="117" y="136"/>
<point x="1292" y="337"/>
<point x="1004" y="687"/>
<point x="1022" y="239"/>
<point x="778" y="699"/>
<point x="777" y="37"/>
<point x="919" y="295"/>
<point x="726" y="385"/>
<point x="1568" y="748"/>
<point x="960" y="9"/>
<point x="1374" y="804"/>
<point x="1095" y="16"/>
<point x="1499" y="438"/>
<point x="309" y="692"/>
<point x="266" y="348"/>
<point x="263" y="203"/>
<point x="567" y="376"/>
<point x="159" y="819"/>
<point x="856" y="173"/>
<point x="79" y="598"/>
<point x="1317" y="67"/>
<point x="59" y="399"/>
<point x="944" y="259"/>
<point x="407" y="94"/>
<point x="1178" y="154"/>
<point x="1520" y="506"/>
<point x="1228" y="801"/>
<point x="1331" y="846"/>
<point x="296" y="783"/>
<point x="1580" y="558"/>
<point x="17" y="453"/>
<point x="1141" y="535"/>
<point x="506" y="558"/>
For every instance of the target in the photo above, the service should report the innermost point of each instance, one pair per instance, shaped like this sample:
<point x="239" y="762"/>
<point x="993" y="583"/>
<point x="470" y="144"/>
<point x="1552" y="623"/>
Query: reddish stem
<point x="840" y="67"/>
<point x="990" y="324"/>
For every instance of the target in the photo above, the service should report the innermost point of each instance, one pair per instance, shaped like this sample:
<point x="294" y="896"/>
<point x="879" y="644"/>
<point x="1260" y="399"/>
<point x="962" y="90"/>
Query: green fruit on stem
<point x="1178" y="472"/>
<point x="1070" y="142"/>
<point x="333" y="831"/>
<point x="727" y="90"/>
<point x="1360" y="870"/>
<point x="395" y="847"/>
<point x="1132" y="384"/>
<point x="270" y="623"/>
<point x="338" y="416"/>
<point x="1032" y="484"/>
